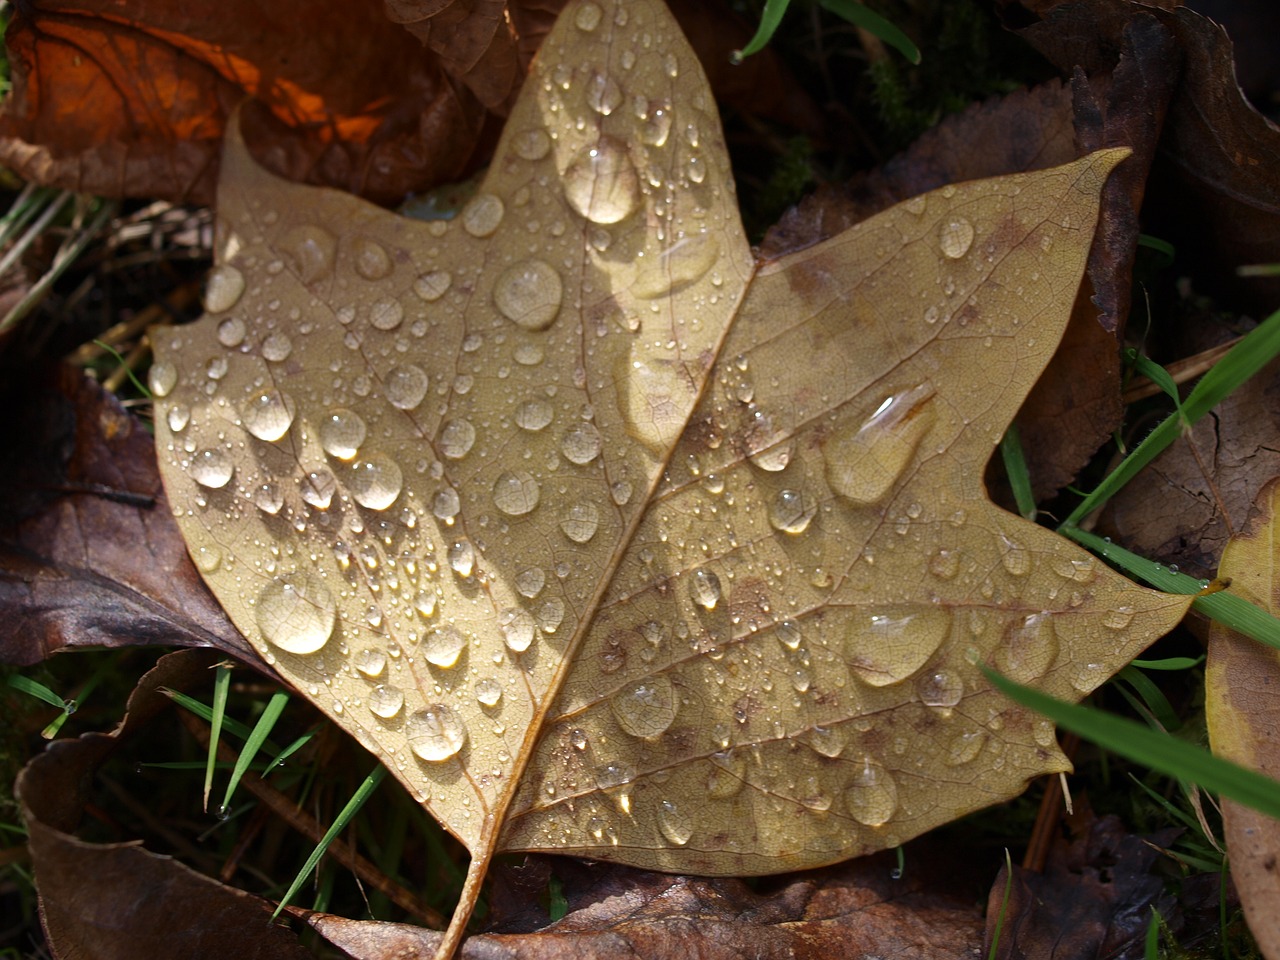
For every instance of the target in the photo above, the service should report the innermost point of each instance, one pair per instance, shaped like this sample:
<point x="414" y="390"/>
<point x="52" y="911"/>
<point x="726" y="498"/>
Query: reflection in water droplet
<point x="341" y="433"/>
<point x="433" y="285"/>
<point x="231" y="332"/>
<point x="864" y="464"/>
<point x="955" y="237"/>
<point x="371" y="259"/>
<point x="211" y="468"/>
<point x="675" y="824"/>
<point x="515" y="492"/>
<point x="580" y="522"/>
<point x="317" y="488"/>
<point x="528" y="293"/>
<point x="872" y="796"/>
<point x="582" y="443"/>
<point x="646" y="709"/>
<point x="893" y="642"/>
<point x="376" y="481"/>
<point x="791" y="511"/>
<point x="1029" y="649"/>
<point x="406" y="385"/>
<point x="269" y="415"/>
<point x="530" y="581"/>
<point x="704" y="587"/>
<point x="311" y="249"/>
<point x="462" y="558"/>
<point x="531" y="144"/>
<point x="163" y="378"/>
<point x="488" y="691"/>
<point x="457" y="438"/>
<point x="385" y="701"/>
<point x="940" y="688"/>
<point x="436" y="733"/>
<point x="482" y="214"/>
<point x="370" y="662"/>
<point x="601" y="184"/>
<point x="684" y="262"/>
<point x="518" y="629"/>
<point x="223" y="288"/>
<point x="443" y="646"/>
<point x="296" y="613"/>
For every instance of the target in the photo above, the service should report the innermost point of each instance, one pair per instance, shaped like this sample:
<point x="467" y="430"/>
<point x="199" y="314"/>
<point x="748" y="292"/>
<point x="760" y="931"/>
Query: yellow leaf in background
<point x="604" y="540"/>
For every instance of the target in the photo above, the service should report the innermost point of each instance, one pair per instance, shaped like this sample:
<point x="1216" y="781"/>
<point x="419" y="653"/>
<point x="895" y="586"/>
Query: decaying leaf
<point x="1241" y="681"/>
<point x="608" y="545"/>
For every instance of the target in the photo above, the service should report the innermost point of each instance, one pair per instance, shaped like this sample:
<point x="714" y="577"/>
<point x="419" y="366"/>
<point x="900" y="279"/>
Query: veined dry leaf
<point x="603" y="553"/>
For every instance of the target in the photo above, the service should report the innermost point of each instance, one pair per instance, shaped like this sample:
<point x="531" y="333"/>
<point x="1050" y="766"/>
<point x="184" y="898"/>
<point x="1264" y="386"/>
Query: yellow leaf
<point x="608" y="542"/>
<point x="1242" y="678"/>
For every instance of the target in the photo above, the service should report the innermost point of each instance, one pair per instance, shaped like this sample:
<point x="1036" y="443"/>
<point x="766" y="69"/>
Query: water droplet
<point x="767" y="446"/>
<point x="1029" y="649"/>
<point x="646" y="709"/>
<point x="533" y="415"/>
<point x="603" y="95"/>
<point x="964" y="747"/>
<point x="376" y="481"/>
<point x="1081" y="569"/>
<point x="231" y="332"/>
<point x="269" y="415"/>
<point x="425" y="603"/>
<point x="656" y="127"/>
<point x="828" y="741"/>
<point x="788" y="634"/>
<point x="894" y="642"/>
<point x="207" y="559"/>
<point x="371" y="259"/>
<point x="163" y="378"/>
<point x="791" y="511"/>
<point x="684" y="262"/>
<point x="436" y="733"/>
<point x="940" y="688"/>
<point x="482" y="214"/>
<point x="433" y="285"/>
<point x="515" y="492"/>
<point x="386" y="314"/>
<point x="620" y="492"/>
<point x="1086" y="676"/>
<point x="601" y="184"/>
<point x="178" y="417"/>
<point x="656" y="400"/>
<point x="211" y="468"/>
<point x="1016" y="558"/>
<point x="317" y="488"/>
<point x="462" y="558"/>
<point x="457" y="438"/>
<point x="704" y="587"/>
<point x="872" y="796"/>
<point x="311" y="249"/>
<point x="916" y="205"/>
<point x="614" y="774"/>
<point x="945" y="564"/>
<point x="726" y="777"/>
<point x="518" y="629"/>
<point x="550" y="615"/>
<point x="223" y="288"/>
<point x="528" y="293"/>
<point x="443" y="646"/>
<point x="406" y="385"/>
<point x="268" y="498"/>
<point x="956" y="237"/>
<point x="580" y="522"/>
<point x="341" y="433"/>
<point x="277" y="348"/>
<point x="530" y="581"/>
<point x="446" y="504"/>
<point x="296" y="613"/>
<point x="488" y="692"/>
<point x="385" y="701"/>
<point x="1118" y="619"/>
<point x="588" y="17"/>
<point x="582" y="443"/>
<point x="675" y="824"/>
<point x="863" y="464"/>
<point x="531" y="144"/>
<point x="370" y="662"/>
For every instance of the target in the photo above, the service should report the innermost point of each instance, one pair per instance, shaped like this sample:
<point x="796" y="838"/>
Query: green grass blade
<point x="1157" y="375"/>
<point x="221" y="687"/>
<point x="230" y="725"/>
<point x="1252" y="353"/>
<point x="38" y="690"/>
<point x="1155" y="702"/>
<point x="769" y="21"/>
<point x="1169" y="663"/>
<point x="363" y="793"/>
<point x="291" y="749"/>
<point x="261" y="730"/>
<point x="1145" y="746"/>
<point x="1004" y="906"/>
<point x="872" y="22"/>
<point x="1015" y="466"/>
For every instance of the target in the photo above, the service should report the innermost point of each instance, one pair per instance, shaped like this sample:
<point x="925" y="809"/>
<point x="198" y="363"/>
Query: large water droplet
<point x="603" y="96"/>
<point x="482" y="214"/>
<point x="580" y="522"/>
<point x="657" y="398"/>
<point x="446" y="504"/>
<point x="268" y="498"/>
<point x="277" y="347"/>
<point x="211" y="468"/>
<point x="893" y="642"/>
<point x="582" y="443"/>
<point x="646" y="709"/>
<point x="376" y="481"/>
<point x="533" y="415"/>
<point x="656" y="127"/>
<point x="515" y="492"/>
<point x="443" y="646"/>
<point x="601" y="183"/>
<point x="163" y="378"/>
<point x="371" y="259"/>
<point x="488" y="691"/>
<point x="963" y="747"/>
<point x="1015" y="557"/>
<point x="518" y="629"/>
<point x="864" y="464"/>
<point x="1029" y="649"/>
<point x="528" y="293"/>
<point x="940" y="688"/>
<point x="727" y="775"/>
<point x="791" y="511"/>
<point x="386" y="314"/>
<point x="385" y="701"/>
<point x="311" y="249"/>
<point x="436" y="733"/>
<point x="462" y="558"/>
<point x="370" y="661"/>
<point x="341" y="433"/>
<point x="317" y="488"/>
<point x="955" y="236"/>
<point x="296" y="613"/>
<point x="223" y="289"/>
<point x="704" y="587"/>
<point x="828" y="741"/>
<point x="684" y="262"/>
<point x="406" y="385"/>
<point x="231" y="332"/>
<point x="269" y="415"/>
<point x="675" y="824"/>
<point x="872" y="796"/>
<point x="530" y="581"/>
<point x="457" y="437"/>
<point x="588" y="17"/>
<point x="433" y="285"/>
<point x="531" y="144"/>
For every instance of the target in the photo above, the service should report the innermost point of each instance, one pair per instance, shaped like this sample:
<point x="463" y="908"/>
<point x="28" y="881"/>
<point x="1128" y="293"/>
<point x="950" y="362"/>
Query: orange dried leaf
<point x="609" y="542"/>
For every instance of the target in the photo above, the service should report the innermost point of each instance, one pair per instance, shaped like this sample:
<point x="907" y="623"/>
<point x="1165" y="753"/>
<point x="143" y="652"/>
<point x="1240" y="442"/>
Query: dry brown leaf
<point x="604" y="553"/>
<point x="1241" y="680"/>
